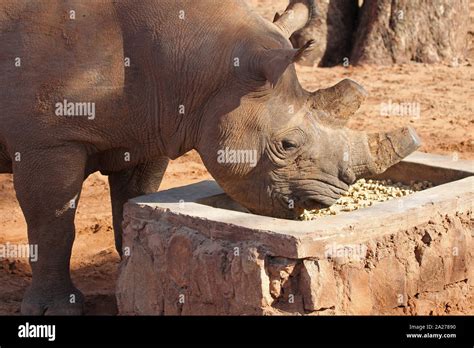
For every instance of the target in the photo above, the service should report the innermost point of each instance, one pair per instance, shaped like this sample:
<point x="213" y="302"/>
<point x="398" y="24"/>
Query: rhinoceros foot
<point x="69" y="301"/>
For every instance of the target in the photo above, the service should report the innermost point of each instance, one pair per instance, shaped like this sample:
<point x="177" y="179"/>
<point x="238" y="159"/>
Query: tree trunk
<point x="398" y="31"/>
<point x="332" y="26"/>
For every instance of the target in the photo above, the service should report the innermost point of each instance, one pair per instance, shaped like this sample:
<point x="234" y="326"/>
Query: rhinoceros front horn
<point x="295" y="17"/>
<point x="373" y="153"/>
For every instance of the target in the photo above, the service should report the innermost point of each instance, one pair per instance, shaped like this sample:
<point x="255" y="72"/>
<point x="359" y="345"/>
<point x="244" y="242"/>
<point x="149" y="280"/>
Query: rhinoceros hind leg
<point x="48" y="183"/>
<point x="142" y="179"/>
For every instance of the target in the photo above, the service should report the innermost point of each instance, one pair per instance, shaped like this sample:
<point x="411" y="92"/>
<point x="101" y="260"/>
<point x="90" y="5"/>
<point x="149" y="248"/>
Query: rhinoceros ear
<point x="276" y="17"/>
<point x="295" y="17"/>
<point x="274" y="62"/>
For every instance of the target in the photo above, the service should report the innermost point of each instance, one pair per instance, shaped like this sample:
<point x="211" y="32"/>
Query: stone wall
<point x="174" y="267"/>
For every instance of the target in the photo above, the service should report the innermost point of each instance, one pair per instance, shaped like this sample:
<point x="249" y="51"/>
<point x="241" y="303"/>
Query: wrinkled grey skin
<point x="305" y="157"/>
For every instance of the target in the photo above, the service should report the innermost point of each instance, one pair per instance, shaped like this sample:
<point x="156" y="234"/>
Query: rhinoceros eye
<point x="288" y="145"/>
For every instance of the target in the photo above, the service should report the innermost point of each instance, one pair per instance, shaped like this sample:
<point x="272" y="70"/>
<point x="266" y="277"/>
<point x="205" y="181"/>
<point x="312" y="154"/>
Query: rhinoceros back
<point x="52" y="51"/>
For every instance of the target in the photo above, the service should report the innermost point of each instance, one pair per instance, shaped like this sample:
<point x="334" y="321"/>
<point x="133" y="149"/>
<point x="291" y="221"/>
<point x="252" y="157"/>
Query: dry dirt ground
<point x="445" y="124"/>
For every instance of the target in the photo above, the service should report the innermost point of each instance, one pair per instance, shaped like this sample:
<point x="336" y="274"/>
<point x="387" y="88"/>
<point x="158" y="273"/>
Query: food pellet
<point x="365" y="193"/>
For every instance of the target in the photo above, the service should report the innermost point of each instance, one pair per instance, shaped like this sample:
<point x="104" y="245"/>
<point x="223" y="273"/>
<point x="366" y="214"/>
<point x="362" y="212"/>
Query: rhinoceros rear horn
<point x="274" y="62"/>
<point x="336" y="104"/>
<point x="295" y="17"/>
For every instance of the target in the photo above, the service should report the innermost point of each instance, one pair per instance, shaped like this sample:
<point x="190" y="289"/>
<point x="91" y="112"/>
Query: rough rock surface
<point x="172" y="268"/>
<point x="399" y="31"/>
<point x="332" y="27"/>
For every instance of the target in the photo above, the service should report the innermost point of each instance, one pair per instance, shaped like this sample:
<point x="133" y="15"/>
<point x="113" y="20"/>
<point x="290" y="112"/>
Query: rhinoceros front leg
<point x="48" y="183"/>
<point x="143" y="179"/>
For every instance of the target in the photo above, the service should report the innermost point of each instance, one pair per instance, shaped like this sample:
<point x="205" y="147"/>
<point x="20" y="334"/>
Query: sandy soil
<point x="445" y="124"/>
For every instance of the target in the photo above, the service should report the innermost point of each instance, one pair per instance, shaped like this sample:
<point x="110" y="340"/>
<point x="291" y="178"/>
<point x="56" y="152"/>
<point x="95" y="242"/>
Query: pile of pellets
<point x="365" y="193"/>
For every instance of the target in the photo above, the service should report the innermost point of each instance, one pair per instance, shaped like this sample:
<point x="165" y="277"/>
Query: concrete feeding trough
<point x="193" y="251"/>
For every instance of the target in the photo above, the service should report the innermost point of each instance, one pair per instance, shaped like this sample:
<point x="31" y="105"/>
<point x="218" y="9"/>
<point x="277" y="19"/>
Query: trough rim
<point x="303" y="239"/>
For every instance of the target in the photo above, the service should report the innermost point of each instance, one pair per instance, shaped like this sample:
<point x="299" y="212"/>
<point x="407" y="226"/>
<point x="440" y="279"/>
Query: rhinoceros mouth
<point x="316" y="201"/>
<point x="319" y="194"/>
<point x="310" y="199"/>
<point x="299" y="194"/>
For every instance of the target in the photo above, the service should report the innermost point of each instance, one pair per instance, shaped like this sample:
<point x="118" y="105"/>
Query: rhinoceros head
<point x="282" y="149"/>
